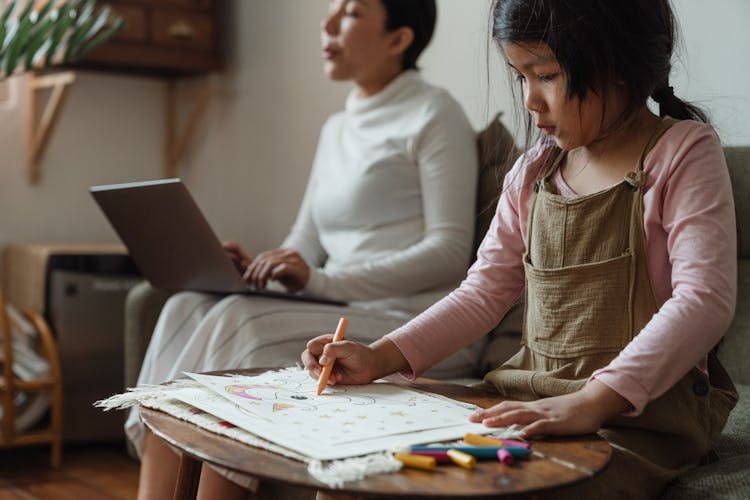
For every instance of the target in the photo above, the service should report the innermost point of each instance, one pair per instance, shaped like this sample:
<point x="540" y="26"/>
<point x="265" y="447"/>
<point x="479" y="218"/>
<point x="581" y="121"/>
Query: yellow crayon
<point x="416" y="461"/>
<point x="463" y="459"/>
<point x="478" y="440"/>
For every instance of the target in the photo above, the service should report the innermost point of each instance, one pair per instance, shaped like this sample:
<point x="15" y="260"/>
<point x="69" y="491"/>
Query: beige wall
<point x="108" y="130"/>
<point x="249" y="162"/>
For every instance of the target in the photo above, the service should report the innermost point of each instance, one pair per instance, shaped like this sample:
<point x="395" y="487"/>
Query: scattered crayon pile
<point x="480" y="448"/>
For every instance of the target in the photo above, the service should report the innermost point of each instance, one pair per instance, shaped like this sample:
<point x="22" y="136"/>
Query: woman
<point x="386" y="223"/>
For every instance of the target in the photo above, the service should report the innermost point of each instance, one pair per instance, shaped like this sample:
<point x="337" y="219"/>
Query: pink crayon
<point x="512" y="442"/>
<point x="505" y="457"/>
<point x="441" y="456"/>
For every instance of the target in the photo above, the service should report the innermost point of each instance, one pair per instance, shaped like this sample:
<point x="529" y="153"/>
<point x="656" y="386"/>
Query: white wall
<point x="712" y="68"/>
<point x="108" y="131"/>
<point x="248" y="164"/>
<point x="262" y="130"/>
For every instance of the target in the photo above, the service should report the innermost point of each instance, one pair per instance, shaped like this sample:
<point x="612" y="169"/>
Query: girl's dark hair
<point x="420" y="16"/>
<point x="602" y="43"/>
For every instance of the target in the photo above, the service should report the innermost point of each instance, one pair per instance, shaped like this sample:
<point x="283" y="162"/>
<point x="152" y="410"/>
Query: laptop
<point x="171" y="241"/>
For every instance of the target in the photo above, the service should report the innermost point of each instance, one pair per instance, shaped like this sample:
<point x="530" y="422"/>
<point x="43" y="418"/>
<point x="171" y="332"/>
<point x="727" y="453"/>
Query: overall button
<point x="700" y="388"/>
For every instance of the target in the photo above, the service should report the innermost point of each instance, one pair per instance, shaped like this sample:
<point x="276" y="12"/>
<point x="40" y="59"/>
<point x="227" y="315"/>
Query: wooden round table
<point x="555" y="462"/>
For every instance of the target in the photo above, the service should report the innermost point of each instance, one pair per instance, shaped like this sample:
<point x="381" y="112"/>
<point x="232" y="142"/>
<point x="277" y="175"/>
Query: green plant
<point x="35" y="34"/>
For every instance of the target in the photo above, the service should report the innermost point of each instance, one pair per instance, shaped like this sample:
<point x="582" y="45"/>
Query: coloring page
<point x="343" y="421"/>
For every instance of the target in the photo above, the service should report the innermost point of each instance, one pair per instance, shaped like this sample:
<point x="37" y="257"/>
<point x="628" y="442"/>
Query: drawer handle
<point x="181" y="29"/>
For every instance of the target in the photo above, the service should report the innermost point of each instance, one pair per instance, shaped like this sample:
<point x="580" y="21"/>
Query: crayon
<point x="504" y="456"/>
<point x="463" y="459"/>
<point x="441" y="456"/>
<point x="416" y="461"/>
<point x="478" y="440"/>
<point x="325" y="373"/>
<point x="477" y="451"/>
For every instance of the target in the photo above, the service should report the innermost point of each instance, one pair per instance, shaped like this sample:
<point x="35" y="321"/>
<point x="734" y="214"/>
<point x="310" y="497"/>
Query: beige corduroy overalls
<point x="588" y="293"/>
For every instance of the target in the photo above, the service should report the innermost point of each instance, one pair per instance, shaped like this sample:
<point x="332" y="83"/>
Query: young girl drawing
<point x="618" y="227"/>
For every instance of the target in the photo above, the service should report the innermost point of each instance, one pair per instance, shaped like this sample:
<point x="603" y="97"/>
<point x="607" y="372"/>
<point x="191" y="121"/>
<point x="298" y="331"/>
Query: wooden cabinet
<point x="162" y="37"/>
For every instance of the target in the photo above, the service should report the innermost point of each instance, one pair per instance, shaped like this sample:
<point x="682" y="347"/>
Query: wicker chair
<point x="10" y="386"/>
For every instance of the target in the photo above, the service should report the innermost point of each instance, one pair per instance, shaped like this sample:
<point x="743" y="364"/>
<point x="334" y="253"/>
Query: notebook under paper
<point x="171" y="241"/>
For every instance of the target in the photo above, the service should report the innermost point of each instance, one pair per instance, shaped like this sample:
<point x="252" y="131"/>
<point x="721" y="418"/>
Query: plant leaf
<point x="42" y="14"/>
<point x="36" y="57"/>
<point x="16" y="45"/>
<point x="102" y="37"/>
<point x="26" y="12"/>
<point x="85" y="13"/>
<point x="6" y="13"/>
<point x="75" y="47"/>
<point x="37" y="39"/>
<point x="63" y="23"/>
<point x="83" y="23"/>
<point x="3" y="30"/>
<point x="38" y="35"/>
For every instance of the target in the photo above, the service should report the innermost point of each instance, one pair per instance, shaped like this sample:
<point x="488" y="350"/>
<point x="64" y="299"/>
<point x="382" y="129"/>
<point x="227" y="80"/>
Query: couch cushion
<point x="734" y="349"/>
<point x="142" y="307"/>
<point x="497" y="153"/>
<point x="735" y="440"/>
<point x="738" y="161"/>
<point x="729" y="476"/>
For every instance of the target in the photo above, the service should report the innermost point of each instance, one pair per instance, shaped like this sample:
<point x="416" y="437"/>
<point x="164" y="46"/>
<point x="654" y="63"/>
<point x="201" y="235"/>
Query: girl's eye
<point x="548" y="77"/>
<point x="519" y="77"/>
<point x="351" y="9"/>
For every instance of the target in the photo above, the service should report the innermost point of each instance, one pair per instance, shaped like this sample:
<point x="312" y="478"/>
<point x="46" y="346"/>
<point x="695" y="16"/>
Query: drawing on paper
<point x="349" y="420"/>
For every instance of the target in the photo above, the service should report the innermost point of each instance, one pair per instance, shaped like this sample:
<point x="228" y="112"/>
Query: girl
<point x="386" y="223"/>
<point x="618" y="226"/>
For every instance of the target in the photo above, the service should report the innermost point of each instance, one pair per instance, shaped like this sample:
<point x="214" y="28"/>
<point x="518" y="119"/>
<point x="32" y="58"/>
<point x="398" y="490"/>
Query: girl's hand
<point x="283" y="265"/>
<point x="237" y="255"/>
<point x="581" y="412"/>
<point x="355" y="363"/>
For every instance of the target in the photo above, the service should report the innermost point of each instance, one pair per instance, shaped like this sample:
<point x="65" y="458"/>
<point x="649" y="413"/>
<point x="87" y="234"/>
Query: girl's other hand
<point x="237" y="255"/>
<point x="581" y="412"/>
<point x="283" y="265"/>
<point x="355" y="363"/>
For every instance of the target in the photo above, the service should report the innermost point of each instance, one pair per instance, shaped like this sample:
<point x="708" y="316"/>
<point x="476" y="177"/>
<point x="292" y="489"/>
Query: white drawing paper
<point x="344" y="421"/>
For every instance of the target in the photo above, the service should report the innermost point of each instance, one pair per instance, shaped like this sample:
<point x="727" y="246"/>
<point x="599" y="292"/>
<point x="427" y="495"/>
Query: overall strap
<point x="636" y="178"/>
<point x="663" y="125"/>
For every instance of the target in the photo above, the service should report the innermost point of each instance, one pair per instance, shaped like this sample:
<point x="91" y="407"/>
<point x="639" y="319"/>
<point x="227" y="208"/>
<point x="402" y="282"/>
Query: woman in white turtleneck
<point x="386" y="224"/>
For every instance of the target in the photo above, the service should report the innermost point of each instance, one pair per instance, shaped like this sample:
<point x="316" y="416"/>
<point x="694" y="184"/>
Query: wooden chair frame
<point x="10" y="386"/>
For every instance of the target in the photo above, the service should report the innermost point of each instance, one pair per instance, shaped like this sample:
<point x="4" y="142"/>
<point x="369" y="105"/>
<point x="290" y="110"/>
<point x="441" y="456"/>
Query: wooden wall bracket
<point x="177" y="139"/>
<point x="40" y="128"/>
<point x="41" y="125"/>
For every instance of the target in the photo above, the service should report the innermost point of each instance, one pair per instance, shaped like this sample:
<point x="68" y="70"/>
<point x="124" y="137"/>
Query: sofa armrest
<point x="142" y="307"/>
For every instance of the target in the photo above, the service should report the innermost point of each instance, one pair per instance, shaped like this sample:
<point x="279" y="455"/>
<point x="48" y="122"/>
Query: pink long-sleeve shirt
<point x="692" y="256"/>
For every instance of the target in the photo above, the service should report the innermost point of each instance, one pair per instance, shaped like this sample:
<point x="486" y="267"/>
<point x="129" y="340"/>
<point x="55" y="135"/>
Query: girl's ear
<point x="401" y="39"/>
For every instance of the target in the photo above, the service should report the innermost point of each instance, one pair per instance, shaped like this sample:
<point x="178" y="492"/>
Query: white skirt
<point x="198" y="332"/>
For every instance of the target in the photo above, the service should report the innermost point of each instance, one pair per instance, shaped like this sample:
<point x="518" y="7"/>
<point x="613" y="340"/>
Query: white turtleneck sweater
<point x="387" y="220"/>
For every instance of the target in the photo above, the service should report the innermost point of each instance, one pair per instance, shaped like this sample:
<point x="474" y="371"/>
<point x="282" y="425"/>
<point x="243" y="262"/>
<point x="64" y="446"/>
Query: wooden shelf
<point x="163" y="38"/>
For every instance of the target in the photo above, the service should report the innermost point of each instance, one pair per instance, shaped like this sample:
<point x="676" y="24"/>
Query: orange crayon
<point x="326" y="372"/>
